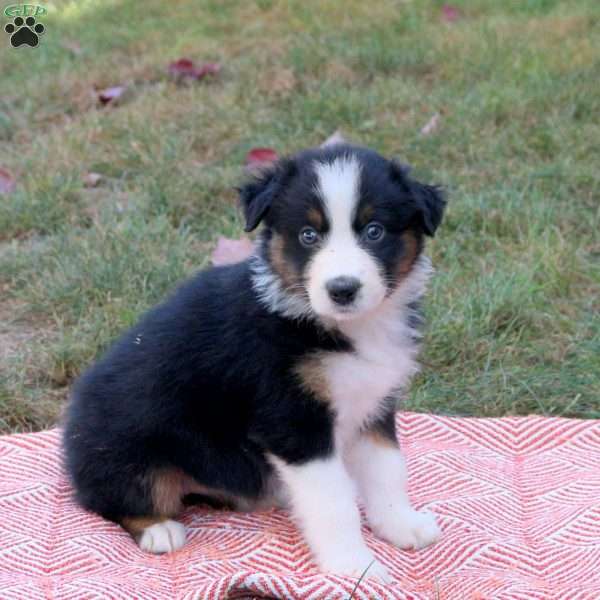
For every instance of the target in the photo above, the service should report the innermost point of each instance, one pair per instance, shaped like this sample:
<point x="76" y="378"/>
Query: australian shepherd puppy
<point x="274" y="381"/>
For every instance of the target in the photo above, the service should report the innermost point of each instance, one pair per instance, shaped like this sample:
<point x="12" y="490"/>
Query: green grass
<point x="513" y="315"/>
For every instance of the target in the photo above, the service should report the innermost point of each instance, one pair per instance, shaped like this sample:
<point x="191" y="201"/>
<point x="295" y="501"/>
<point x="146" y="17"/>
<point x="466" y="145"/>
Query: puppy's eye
<point x="308" y="236"/>
<point x="374" y="231"/>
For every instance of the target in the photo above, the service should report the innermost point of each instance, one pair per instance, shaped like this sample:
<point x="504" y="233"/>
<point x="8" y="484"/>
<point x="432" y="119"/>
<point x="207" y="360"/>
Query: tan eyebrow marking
<point x="366" y="214"/>
<point x="315" y="218"/>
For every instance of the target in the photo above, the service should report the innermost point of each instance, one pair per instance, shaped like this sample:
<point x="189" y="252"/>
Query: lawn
<point x="513" y="313"/>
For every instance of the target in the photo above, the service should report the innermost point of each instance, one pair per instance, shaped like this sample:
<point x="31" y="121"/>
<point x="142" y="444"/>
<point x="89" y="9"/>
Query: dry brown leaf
<point x="431" y="125"/>
<point x="111" y="95"/>
<point x="335" y="138"/>
<point x="92" y="179"/>
<point x="228" y="251"/>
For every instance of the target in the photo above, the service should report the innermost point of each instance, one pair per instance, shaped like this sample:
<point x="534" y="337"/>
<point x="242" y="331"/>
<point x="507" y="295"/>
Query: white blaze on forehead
<point x="341" y="255"/>
<point x="338" y="187"/>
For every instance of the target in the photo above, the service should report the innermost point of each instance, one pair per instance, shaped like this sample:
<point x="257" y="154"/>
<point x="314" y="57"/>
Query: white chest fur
<point x="383" y="361"/>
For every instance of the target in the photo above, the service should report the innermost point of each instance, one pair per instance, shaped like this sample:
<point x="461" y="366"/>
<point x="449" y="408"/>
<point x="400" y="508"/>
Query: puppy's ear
<point x="258" y="195"/>
<point x="429" y="200"/>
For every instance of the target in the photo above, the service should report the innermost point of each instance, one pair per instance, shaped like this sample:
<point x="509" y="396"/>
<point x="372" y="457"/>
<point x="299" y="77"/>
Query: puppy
<point x="273" y="381"/>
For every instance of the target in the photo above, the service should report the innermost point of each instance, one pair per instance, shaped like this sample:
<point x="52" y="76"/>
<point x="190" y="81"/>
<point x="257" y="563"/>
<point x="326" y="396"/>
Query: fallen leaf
<point x="261" y="156"/>
<point x="92" y="179"/>
<point x="7" y="182"/>
<point x="431" y="125"/>
<point x="111" y="94"/>
<point x="184" y="68"/>
<point x="450" y="13"/>
<point x="208" y="69"/>
<point x="335" y="138"/>
<point x="228" y="251"/>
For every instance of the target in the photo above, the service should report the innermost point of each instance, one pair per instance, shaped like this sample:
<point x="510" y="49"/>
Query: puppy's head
<point x="343" y="228"/>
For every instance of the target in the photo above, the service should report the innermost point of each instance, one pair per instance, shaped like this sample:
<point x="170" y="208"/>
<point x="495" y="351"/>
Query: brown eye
<point x="308" y="236"/>
<point x="374" y="231"/>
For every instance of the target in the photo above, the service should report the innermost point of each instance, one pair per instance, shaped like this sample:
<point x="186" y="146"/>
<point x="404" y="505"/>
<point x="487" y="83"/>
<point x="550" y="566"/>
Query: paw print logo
<point x="24" y="32"/>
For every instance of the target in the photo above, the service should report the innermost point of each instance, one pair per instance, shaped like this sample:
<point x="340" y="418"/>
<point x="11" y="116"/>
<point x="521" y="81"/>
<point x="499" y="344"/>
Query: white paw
<point x="159" y="538"/>
<point x="355" y="564"/>
<point x="408" y="529"/>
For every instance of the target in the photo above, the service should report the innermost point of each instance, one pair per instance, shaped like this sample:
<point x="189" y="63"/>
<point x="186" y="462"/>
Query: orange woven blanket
<point x="518" y="500"/>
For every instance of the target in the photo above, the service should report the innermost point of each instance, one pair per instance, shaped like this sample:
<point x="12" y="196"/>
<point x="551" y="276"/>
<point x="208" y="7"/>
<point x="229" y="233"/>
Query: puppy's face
<point x="344" y="227"/>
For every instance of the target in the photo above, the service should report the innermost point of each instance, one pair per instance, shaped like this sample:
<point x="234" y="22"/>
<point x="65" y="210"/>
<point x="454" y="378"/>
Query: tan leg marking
<point x="381" y="438"/>
<point x="167" y="491"/>
<point x="137" y="525"/>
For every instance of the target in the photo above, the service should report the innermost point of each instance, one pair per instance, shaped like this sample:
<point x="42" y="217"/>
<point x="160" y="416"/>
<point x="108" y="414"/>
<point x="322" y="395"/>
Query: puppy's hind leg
<point x="157" y="532"/>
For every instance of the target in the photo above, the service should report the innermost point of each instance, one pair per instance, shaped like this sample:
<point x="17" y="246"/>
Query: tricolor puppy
<point x="273" y="381"/>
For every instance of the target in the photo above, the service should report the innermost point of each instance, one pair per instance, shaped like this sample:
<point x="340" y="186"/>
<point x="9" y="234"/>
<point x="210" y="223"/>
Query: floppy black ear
<point x="257" y="195"/>
<point x="256" y="198"/>
<point x="429" y="200"/>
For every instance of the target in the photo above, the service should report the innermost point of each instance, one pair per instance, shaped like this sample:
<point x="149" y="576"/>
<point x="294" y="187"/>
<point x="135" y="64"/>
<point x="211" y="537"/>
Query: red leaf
<point x="7" y="182"/>
<point x="185" y="68"/>
<point x="230" y="251"/>
<point x="261" y="156"/>
<point x="111" y="94"/>
<point x="450" y="13"/>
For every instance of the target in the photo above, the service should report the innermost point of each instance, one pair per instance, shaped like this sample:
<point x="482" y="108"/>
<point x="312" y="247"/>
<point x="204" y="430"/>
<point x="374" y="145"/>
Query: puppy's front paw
<point x="408" y="528"/>
<point x="166" y="536"/>
<point x="355" y="564"/>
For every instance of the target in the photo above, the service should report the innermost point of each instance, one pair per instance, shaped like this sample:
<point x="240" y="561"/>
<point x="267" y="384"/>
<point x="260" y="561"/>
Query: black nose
<point x="342" y="290"/>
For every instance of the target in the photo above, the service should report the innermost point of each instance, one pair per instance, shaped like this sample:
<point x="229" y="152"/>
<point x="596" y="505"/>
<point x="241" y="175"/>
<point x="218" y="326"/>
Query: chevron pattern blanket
<point x="518" y="500"/>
